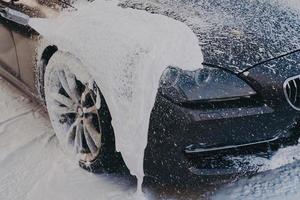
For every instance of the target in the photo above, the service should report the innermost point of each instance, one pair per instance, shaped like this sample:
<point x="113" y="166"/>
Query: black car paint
<point x="233" y="34"/>
<point x="176" y="126"/>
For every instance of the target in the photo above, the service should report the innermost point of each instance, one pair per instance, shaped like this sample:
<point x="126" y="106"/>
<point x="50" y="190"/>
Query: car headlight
<point x="206" y="84"/>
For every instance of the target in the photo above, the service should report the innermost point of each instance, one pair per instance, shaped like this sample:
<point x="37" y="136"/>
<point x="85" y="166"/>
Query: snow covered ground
<point x="32" y="166"/>
<point x="277" y="184"/>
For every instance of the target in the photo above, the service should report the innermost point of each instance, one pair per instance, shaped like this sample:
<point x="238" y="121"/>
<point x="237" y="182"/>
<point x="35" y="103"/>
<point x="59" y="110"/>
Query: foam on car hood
<point x="125" y="51"/>
<point x="234" y="34"/>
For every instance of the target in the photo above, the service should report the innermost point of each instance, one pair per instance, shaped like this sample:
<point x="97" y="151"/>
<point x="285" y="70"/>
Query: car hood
<point x="233" y="34"/>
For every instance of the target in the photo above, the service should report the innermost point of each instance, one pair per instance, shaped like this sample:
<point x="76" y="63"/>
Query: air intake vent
<point x="291" y="89"/>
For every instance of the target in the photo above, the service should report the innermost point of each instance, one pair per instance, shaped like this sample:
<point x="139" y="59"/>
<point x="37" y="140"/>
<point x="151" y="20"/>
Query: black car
<point x="247" y="94"/>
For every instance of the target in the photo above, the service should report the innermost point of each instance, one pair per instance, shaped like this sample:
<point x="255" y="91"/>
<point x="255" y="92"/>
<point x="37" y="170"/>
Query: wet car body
<point x="256" y="42"/>
<point x="209" y="129"/>
<point x="260" y="45"/>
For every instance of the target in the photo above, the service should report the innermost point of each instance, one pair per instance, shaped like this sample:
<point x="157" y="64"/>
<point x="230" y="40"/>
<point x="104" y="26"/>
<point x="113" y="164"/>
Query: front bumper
<point x="179" y="133"/>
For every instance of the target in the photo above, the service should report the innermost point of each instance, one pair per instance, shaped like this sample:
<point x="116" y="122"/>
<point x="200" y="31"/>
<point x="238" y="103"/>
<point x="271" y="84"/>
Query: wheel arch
<point x="42" y="62"/>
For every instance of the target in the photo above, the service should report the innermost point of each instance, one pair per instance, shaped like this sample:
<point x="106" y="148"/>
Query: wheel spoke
<point x="95" y="135"/>
<point x="98" y="99"/>
<point x="89" y="141"/>
<point x="92" y="109"/>
<point x="71" y="80"/>
<point x="87" y="157"/>
<point x="78" y="138"/>
<point x="62" y="110"/>
<point x="72" y="131"/>
<point x="62" y="99"/>
<point x="64" y="83"/>
<point x="84" y="94"/>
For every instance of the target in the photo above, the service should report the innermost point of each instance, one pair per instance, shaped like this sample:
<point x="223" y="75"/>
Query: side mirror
<point x="14" y="16"/>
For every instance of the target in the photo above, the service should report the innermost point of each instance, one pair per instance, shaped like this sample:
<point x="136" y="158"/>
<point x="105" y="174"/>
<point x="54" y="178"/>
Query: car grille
<point x="292" y="91"/>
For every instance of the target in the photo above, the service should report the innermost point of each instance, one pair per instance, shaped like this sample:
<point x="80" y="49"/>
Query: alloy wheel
<point x="76" y="105"/>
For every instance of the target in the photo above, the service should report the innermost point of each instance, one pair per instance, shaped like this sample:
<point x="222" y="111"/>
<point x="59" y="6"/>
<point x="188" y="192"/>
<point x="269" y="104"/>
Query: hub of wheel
<point x="80" y="112"/>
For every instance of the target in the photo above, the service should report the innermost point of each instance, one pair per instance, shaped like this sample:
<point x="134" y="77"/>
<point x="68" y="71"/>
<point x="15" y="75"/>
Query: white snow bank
<point x="282" y="157"/>
<point x="125" y="51"/>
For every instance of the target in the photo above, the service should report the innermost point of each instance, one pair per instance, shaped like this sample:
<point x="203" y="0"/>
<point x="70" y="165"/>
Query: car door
<point x="26" y="45"/>
<point x="23" y="42"/>
<point x="8" y="56"/>
<point x="25" y="39"/>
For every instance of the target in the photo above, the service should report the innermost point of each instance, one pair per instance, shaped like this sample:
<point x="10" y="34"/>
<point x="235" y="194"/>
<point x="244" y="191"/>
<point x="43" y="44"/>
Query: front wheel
<point x="79" y="114"/>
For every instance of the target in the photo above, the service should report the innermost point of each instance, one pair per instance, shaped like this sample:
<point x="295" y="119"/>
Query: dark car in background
<point x="248" y="92"/>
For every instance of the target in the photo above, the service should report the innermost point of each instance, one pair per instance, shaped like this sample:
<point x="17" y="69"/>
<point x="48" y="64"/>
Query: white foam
<point x="126" y="51"/>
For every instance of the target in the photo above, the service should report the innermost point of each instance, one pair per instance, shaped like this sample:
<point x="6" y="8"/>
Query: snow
<point x="125" y="51"/>
<point x="34" y="167"/>
<point x="47" y="11"/>
<point x="293" y="4"/>
<point x="278" y="178"/>
<point x="282" y="157"/>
